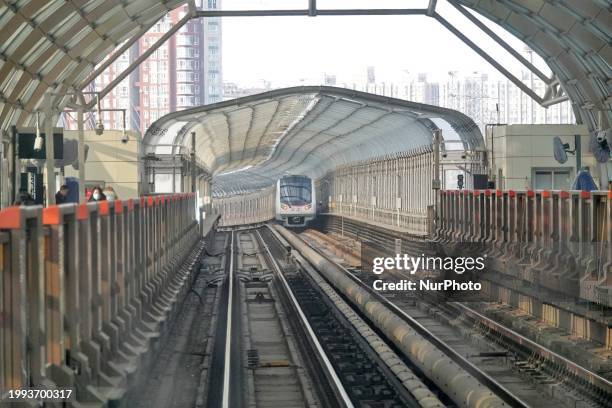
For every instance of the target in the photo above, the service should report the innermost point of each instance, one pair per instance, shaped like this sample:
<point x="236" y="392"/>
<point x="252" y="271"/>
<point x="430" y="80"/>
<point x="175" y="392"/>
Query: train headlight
<point x="284" y="207"/>
<point x="308" y="206"/>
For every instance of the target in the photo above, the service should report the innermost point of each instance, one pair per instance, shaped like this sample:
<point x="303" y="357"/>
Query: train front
<point x="295" y="201"/>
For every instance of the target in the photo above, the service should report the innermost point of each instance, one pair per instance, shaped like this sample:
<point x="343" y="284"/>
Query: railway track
<point x="288" y="326"/>
<point x="369" y="371"/>
<point x="276" y="376"/>
<point x="258" y="350"/>
<point x="296" y="342"/>
<point x="522" y="366"/>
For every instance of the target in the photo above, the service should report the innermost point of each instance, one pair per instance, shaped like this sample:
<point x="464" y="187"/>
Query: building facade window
<point x="552" y="179"/>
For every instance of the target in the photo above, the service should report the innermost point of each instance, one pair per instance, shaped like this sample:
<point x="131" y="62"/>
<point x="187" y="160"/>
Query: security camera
<point x="38" y="142"/>
<point x="99" y="128"/>
<point x="125" y="138"/>
<point x="463" y="155"/>
<point x="445" y="155"/>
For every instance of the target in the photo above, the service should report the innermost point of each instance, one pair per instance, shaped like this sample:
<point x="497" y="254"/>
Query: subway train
<point x="296" y="203"/>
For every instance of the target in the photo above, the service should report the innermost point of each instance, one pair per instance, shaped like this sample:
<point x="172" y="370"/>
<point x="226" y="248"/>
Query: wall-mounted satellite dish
<point x="600" y="146"/>
<point x="560" y="150"/>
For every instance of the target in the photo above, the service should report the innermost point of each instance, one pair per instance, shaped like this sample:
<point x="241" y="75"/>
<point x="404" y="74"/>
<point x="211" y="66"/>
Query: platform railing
<point x="559" y="240"/>
<point x="85" y="290"/>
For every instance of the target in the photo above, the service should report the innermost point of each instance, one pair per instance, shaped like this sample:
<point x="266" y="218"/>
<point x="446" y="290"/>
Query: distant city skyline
<point x="484" y="98"/>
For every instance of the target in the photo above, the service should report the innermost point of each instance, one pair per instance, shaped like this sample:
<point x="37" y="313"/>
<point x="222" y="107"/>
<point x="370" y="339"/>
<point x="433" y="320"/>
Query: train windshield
<point x="295" y="190"/>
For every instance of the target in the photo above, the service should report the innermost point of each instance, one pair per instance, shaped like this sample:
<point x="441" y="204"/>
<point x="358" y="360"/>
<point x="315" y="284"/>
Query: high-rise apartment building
<point x="213" y="79"/>
<point x="182" y="73"/>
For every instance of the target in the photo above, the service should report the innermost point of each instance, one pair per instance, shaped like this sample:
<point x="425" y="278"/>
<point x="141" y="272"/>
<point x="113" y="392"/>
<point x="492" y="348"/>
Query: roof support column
<point x="81" y="154"/>
<point x="49" y="148"/>
<point x="194" y="169"/>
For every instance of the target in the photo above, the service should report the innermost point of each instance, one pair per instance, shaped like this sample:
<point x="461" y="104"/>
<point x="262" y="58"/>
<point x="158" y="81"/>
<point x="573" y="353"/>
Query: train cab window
<point x="295" y="190"/>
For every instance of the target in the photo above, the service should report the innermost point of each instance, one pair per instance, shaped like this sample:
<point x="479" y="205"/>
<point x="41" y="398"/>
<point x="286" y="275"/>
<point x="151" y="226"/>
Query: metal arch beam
<point x="553" y="39"/>
<point x="552" y="95"/>
<point x="431" y="8"/>
<point x="312" y="11"/>
<point x="492" y="61"/>
<point x="144" y="56"/>
<point x="430" y="11"/>
<point x="307" y="12"/>
<point x="102" y="67"/>
<point x="501" y="42"/>
<point x="147" y="53"/>
<point x="312" y="8"/>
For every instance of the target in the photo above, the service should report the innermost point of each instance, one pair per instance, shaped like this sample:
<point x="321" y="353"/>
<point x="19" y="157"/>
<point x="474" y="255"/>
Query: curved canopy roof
<point x="54" y="44"/>
<point x="575" y="39"/>
<point x="248" y="143"/>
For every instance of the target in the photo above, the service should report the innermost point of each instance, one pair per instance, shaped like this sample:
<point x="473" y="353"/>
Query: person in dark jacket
<point x="97" y="195"/>
<point x="61" y="197"/>
<point x="24" y="198"/>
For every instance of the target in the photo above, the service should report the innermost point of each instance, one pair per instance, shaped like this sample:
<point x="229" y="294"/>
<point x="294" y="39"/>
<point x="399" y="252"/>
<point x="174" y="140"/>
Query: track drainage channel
<point x="363" y="379"/>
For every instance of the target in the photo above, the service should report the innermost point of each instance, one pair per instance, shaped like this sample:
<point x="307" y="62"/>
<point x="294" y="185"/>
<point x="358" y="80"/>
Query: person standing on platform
<point x="97" y="195"/>
<point x="61" y="197"/>
<point x="110" y="193"/>
<point x="24" y="198"/>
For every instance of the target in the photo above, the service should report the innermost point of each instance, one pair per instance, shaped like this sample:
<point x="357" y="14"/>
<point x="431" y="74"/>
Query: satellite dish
<point x="560" y="150"/>
<point x="600" y="146"/>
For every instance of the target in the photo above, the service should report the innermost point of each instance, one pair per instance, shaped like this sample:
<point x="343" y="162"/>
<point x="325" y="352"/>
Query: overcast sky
<point x="287" y="50"/>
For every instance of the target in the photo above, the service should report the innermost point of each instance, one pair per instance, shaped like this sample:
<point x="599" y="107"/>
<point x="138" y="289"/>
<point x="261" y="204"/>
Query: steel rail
<point x="591" y="377"/>
<point x="336" y="384"/>
<point x="228" y="330"/>
<point x="501" y="391"/>
<point x="575" y="368"/>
